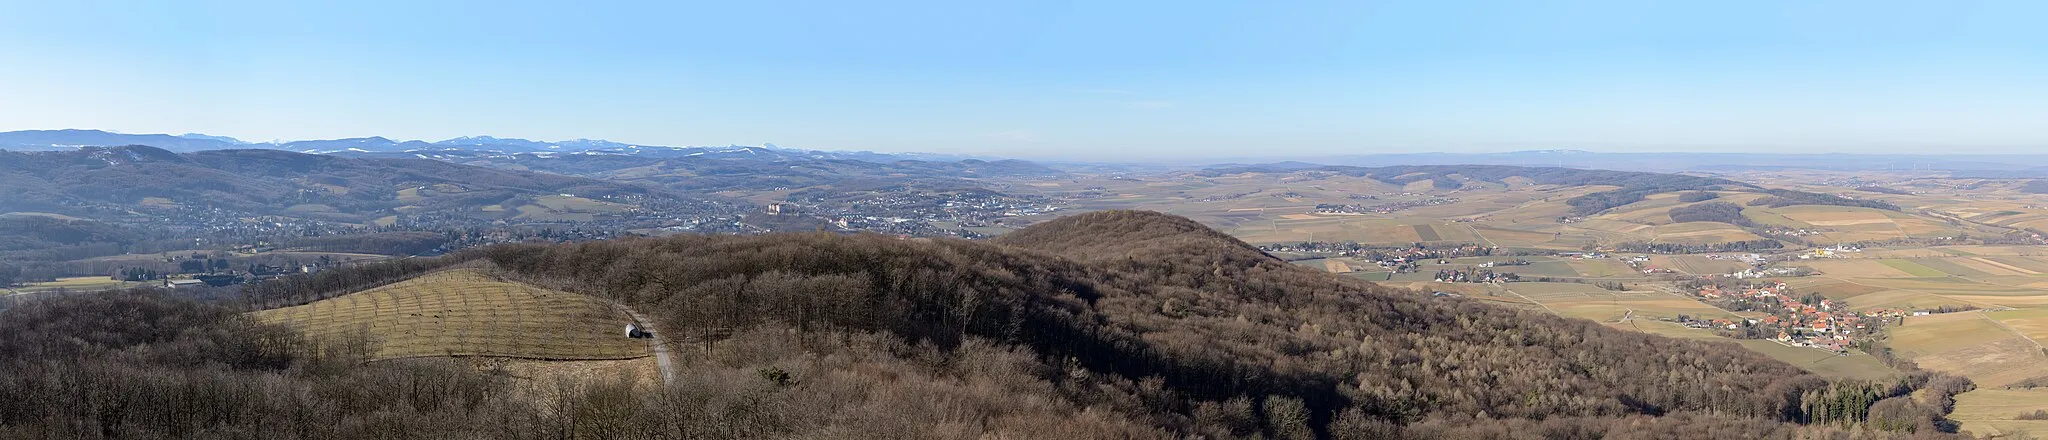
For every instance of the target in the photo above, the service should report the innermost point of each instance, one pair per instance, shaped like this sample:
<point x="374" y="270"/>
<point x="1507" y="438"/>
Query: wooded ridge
<point x="1116" y="324"/>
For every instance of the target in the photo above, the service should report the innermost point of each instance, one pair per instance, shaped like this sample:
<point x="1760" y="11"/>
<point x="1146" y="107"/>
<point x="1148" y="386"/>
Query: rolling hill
<point x="94" y="182"/>
<point x="1115" y="324"/>
<point x="1161" y="323"/>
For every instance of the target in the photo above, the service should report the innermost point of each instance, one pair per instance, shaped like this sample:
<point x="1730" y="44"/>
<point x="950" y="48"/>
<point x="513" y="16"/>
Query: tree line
<point x="1779" y="198"/>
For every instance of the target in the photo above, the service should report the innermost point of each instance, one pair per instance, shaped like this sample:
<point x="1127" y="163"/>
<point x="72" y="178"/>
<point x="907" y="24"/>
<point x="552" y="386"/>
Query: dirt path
<point x="1531" y="300"/>
<point x="668" y="370"/>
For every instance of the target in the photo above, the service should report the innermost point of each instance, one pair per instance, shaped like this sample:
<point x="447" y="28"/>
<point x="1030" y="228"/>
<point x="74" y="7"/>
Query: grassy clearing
<point x="1838" y="217"/>
<point x="38" y="214"/>
<point x="1856" y="365"/>
<point x="1912" y="268"/>
<point x="1702" y="233"/>
<point x="1594" y="303"/>
<point x="466" y="312"/>
<point x="1602" y="268"/>
<point x="92" y="283"/>
<point x="578" y="204"/>
<point x="1992" y="411"/>
<point x="1427" y="233"/>
<point x="1937" y="333"/>
<point x="1541" y="268"/>
<point x="1840" y="290"/>
<point x="2031" y="265"/>
<point x="1696" y="264"/>
<point x="2032" y="323"/>
<point x="1994" y="364"/>
<point x="1988" y="266"/>
<point x="1514" y="237"/>
<point x="1972" y="345"/>
<point x="1855" y="268"/>
<point x="1900" y="299"/>
<point x="1945" y="265"/>
<point x="1555" y="289"/>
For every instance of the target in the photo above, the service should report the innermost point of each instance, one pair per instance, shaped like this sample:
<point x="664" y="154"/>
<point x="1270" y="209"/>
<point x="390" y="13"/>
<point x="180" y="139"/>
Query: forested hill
<point x="1126" y="235"/>
<point x="1143" y="325"/>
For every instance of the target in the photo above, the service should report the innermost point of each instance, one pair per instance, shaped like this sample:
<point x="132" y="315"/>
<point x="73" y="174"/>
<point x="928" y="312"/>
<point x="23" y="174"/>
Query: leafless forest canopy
<point x="1117" y="324"/>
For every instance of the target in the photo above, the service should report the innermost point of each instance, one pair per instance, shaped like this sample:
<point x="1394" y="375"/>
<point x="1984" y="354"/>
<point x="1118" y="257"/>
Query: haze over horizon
<point x="1051" y="81"/>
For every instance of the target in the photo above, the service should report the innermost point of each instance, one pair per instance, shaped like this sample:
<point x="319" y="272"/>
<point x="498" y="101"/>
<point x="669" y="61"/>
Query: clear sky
<point x="1049" y="78"/>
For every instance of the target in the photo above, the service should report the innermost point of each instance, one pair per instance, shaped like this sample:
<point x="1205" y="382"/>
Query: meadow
<point x="1996" y="411"/>
<point x="1971" y="344"/>
<point x="466" y="312"/>
<point x="92" y="283"/>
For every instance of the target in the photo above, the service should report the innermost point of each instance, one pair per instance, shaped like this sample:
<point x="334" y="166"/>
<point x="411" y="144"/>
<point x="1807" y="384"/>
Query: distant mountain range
<point x="686" y="169"/>
<point x="107" y="182"/>
<point x="473" y="149"/>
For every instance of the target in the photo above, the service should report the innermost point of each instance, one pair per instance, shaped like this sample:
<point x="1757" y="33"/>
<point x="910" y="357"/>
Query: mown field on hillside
<point x="466" y="312"/>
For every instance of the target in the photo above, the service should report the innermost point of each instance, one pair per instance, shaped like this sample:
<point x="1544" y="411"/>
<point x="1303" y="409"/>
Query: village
<point x="1388" y="208"/>
<point x="1807" y="321"/>
<point x="913" y="212"/>
<point x="1768" y="309"/>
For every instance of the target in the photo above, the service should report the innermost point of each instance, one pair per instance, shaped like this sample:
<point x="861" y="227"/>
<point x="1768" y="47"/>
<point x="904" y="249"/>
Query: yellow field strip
<point x="2005" y="266"/>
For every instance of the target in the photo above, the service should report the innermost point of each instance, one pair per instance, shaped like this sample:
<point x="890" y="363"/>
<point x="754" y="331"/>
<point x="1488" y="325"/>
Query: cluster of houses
<point x="1782" y="231"/>
<point x="1475" y="275"/>
<point x="256" y="274"/>
<point x="1746" y="258"/>
<point x="1829" y="252"/>
<point x="1823" y="324"/>
<point x="915" y="212"/>
<point x="1385" y="255"/>
<point x="1411" y="259"/>
<point x="1759" y="272"/>
<point x="1514" y="262"/>
<point x="1388" y="208"/>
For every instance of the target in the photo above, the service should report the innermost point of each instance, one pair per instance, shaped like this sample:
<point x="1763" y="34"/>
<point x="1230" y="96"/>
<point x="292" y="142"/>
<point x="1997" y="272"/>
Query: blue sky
<point x="1051" y="79"/>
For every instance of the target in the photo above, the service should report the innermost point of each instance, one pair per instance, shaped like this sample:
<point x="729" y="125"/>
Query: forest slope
<point x="1178" y="326"/>
<point x="1154" y="327"/>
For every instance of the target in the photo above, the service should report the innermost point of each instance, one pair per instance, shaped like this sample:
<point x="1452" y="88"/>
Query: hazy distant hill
<point x="1679" y="161"/>
<point x="66" y="139"/>
<point x="680" y="168"/>
<point x="466" y="146"/>
<point x="100" y="181"/>
<point x="703" y="169"/>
